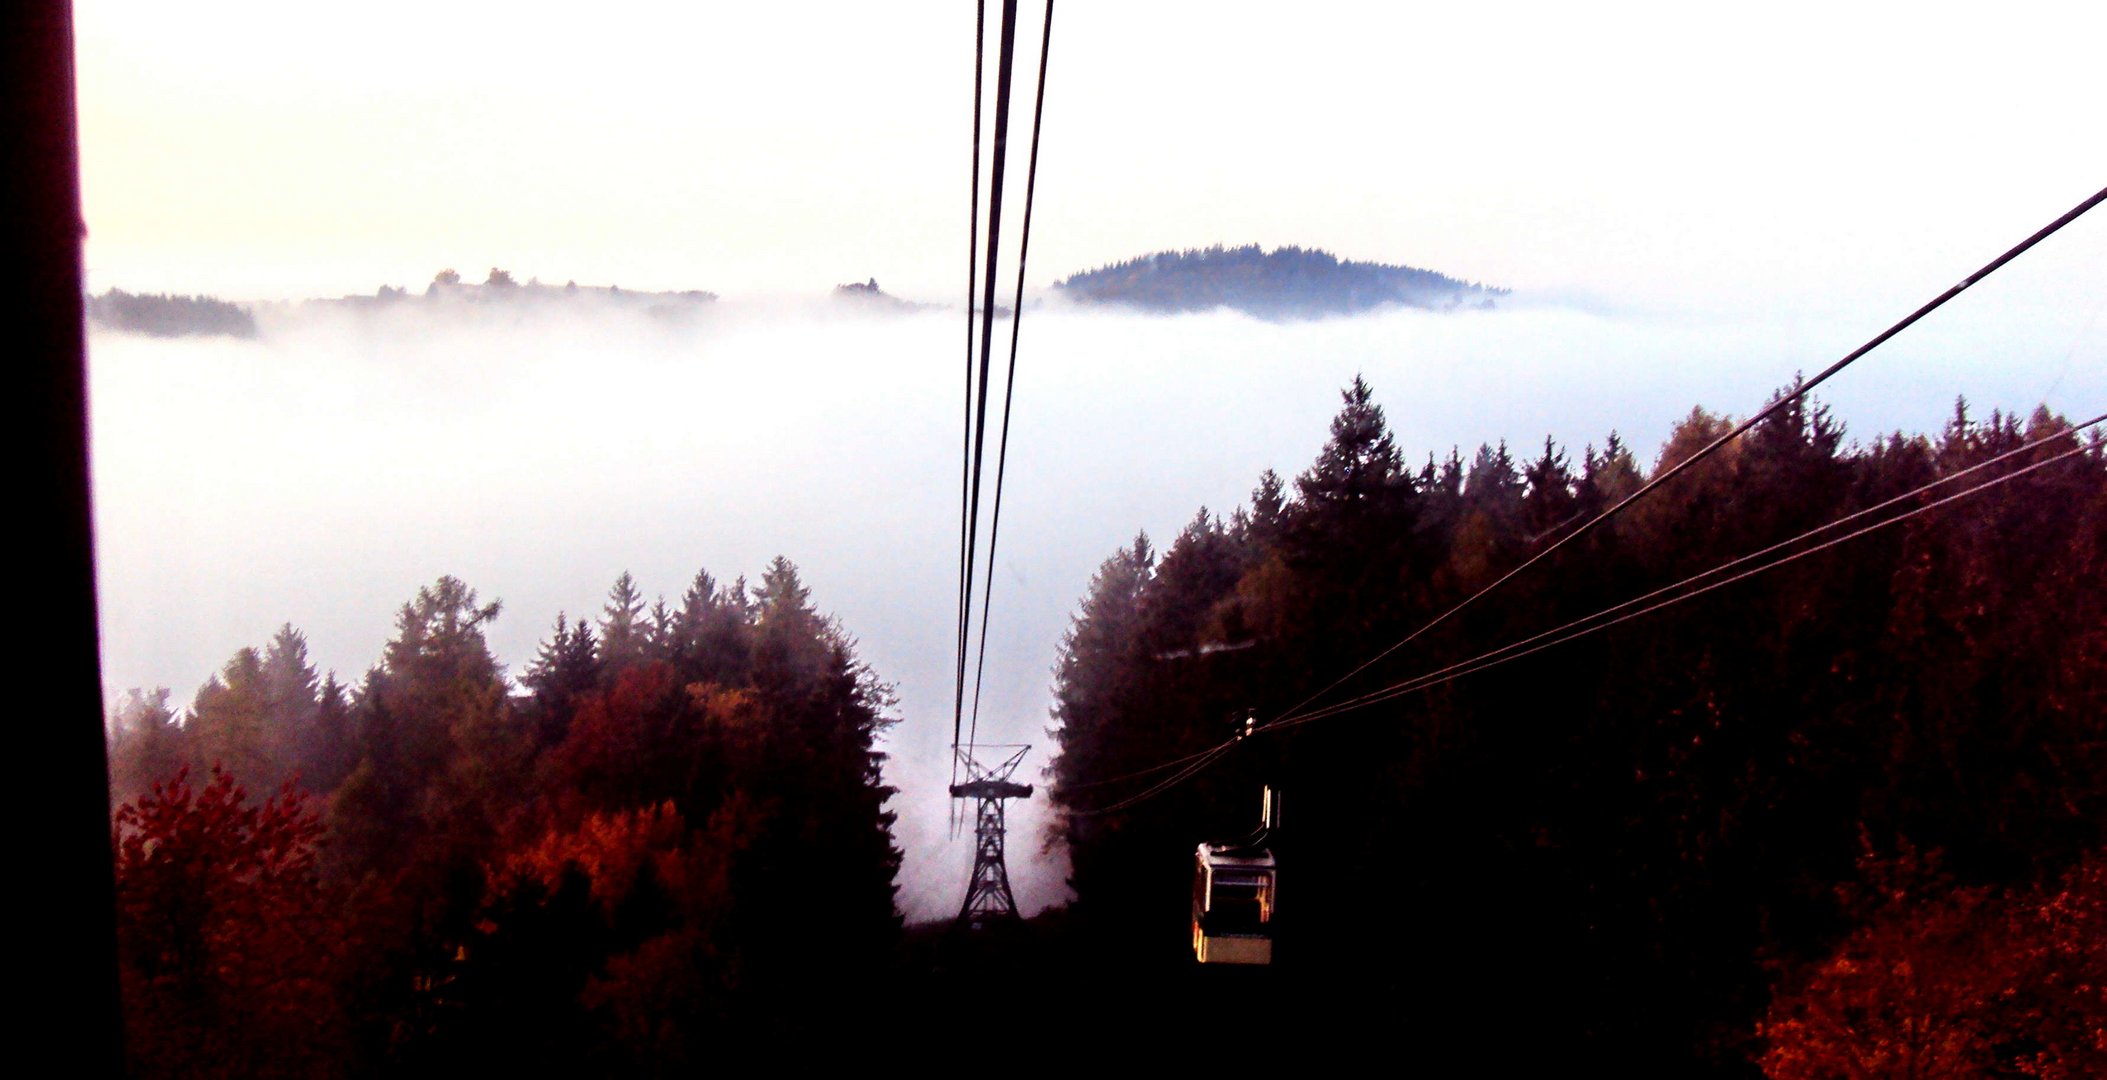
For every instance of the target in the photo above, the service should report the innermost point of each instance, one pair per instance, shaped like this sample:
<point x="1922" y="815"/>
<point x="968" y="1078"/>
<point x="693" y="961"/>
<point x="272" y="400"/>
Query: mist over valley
<point x="349" y="454"/>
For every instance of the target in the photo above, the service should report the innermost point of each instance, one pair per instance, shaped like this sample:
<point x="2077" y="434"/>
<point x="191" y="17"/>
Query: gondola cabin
<point x="1233" y="892"/>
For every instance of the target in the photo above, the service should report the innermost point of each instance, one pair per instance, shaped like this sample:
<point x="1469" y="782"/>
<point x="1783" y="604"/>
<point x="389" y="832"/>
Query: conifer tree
<point x="431" y="721"/>
<point x="795" y="649"/>
<point x="147" y="744"/>
<point x="625" y="632"/>
<point x="1607" y="478"/>
<point x="290" y="700"/>
<point x="1360" y="466"/>
<point x="230" y="721"/>
<point x="1450" y="479"/>
<point x="695" y="609"/>
<point x="1097" y="654"/>
<point x="566" y="667"/>
<point x="1493" y="485"/>
<point x="1196" y="574"/>
<point x="1269" y="508"/>
<point x="331" y="753"/>
<point x="1548" y="501"/>
<point x="1353" y="547"/>
<point x="664" y="631"/>
<point x="714" y="636"/>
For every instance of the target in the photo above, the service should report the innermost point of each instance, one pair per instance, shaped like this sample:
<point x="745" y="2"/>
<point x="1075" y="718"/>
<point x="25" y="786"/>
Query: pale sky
<point x="1663" y="156"/>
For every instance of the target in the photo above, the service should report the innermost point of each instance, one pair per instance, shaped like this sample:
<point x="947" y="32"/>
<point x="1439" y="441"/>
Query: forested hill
<point x="1788" y="826"/>
<point x="1285" y="283"/>
<point x="164" y="315"/>
<point x="867" y="296"/>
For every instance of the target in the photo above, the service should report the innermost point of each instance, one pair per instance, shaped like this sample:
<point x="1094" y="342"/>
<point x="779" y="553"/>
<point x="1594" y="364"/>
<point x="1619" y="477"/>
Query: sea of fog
<point x="324" y="471"/>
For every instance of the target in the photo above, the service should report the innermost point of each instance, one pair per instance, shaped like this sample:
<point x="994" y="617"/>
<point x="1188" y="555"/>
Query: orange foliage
<point x="652" y="997"/>
<point x="1965" y="983"/>
<point x="722" y="708"/>
<point x="613" y="730"/>
<point x="610" y="849"/>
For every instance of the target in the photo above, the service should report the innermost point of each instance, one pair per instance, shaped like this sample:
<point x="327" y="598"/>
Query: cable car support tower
<point x="988" y="898"/>
<point x="987" y="780"/>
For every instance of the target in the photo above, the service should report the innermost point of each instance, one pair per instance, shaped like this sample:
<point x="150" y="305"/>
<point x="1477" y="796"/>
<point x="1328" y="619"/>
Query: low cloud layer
<point x="323" y="471"/>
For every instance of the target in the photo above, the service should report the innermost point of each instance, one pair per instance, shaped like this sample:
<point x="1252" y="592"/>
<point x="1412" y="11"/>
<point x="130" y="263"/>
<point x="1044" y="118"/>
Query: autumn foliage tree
<point x="1940" y="980"/>
<point x="229" y="944"/>
<point x="668" y="843"/>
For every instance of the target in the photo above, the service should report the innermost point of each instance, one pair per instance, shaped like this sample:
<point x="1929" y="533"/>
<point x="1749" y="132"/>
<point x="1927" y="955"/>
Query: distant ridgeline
<point x="500" y="287"/>
<point x="870" y="295"/>
<point x="1289" y="282"/>
<point x="163" y="315"/>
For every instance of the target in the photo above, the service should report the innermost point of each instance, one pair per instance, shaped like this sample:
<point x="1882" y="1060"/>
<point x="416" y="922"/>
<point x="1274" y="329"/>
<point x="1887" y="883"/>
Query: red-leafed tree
<point x="1953" y="982"/>
<point x="228" y="944"/>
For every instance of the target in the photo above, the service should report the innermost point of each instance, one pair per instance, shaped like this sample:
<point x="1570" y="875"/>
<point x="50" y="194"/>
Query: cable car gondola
<point x="1234" y="890"/>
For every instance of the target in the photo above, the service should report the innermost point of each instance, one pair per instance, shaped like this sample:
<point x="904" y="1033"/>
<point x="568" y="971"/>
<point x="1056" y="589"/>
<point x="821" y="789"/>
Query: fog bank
<point x="324" y="471"/>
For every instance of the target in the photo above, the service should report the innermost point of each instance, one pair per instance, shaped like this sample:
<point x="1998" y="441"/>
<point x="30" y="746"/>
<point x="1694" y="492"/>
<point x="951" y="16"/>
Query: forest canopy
<point x="1786" y="825"/>
<point x="1848" y="816"/>
<point x="667" y="843"/>
<point x="1285" y="283"/>
<point x="166" y="315"/>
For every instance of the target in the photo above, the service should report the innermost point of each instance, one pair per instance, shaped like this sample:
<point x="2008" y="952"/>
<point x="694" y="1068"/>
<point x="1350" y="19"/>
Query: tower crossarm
<point x="991" y="789"/>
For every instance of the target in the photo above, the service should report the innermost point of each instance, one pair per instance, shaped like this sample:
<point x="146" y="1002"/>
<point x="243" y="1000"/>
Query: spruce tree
<point x="230" y="722"/>
<point x="714" y="639"/>
<point x="1269" y="510"/>
<point x="147" y="744"/>
<point x="1097" y="659"/>
<point x="436" y="749"/>
<point x="1609" y="477"/>
<point x="792" y="638"/>
<point x="1360" y="466"/>
<point x="1548" y="501"/>
<point x="566" y="667"/>
<point x="625" y="633"/>
<point x="290" y="688"/>
<point x="330" y="754"/>
<point x="1493" y="484"/>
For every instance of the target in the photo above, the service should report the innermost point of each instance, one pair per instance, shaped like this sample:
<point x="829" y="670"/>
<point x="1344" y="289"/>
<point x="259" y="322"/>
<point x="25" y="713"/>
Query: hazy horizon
<point x="1649" y="153"/>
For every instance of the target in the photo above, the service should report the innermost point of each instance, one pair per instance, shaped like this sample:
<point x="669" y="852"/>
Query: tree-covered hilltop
<point x="1289" y="282"/>
<point x="166" y="315"/>
<point x="501" y="288"/>
<point x="668" y="848"/>
<point x="868" y="296"/>
<point x="1848" y="817"/>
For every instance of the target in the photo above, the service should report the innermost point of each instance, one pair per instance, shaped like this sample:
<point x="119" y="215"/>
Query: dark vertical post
<point x="63" y="894"/>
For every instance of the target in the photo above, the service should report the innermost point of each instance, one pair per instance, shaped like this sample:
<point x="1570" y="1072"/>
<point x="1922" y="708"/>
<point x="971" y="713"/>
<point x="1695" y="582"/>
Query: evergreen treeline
<point x="501" y="288"/>
<point x="1289" y="282"/>
<point x="164" y="315"/>
<point x="872" y="298"/>
<point x="668" y="846"/>
<point x="1841" y="819"/>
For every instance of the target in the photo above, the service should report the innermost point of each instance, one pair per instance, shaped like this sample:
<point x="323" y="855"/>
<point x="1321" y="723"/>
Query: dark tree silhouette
<point x="1627" y="839"/>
